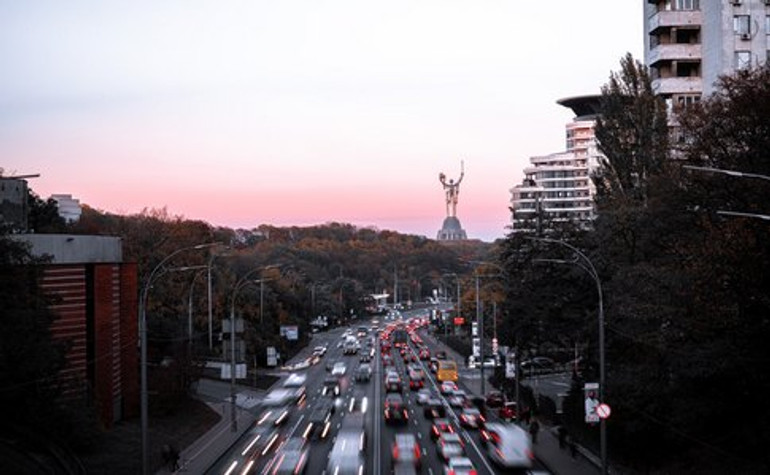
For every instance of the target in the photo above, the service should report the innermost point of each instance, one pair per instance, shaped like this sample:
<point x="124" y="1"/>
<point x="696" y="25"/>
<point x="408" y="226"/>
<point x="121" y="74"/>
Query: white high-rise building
<point x="688" y="44"/>
<point x="69" y="208"/>
<point x="558" y="187"/>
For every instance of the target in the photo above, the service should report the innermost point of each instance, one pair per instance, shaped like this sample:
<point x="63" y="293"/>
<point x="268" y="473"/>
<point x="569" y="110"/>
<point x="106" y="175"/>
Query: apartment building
<point x="688" y="44"/>
<point x="558" y="187"/>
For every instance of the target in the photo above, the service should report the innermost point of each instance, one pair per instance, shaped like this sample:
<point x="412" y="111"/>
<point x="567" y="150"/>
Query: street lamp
<point x="736" y="174"/>
<point x="242" y="282"/>
<point x="480" y="315"/>
<point x="588" y="266"/>
<point x="727" y="172"/>
<point x="144" y="398"/>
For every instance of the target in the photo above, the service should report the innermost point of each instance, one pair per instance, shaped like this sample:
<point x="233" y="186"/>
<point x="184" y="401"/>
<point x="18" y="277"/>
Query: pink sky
<point x="298" y="112"/>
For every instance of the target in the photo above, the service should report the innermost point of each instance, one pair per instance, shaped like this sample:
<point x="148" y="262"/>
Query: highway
<point x="359" y="408"/>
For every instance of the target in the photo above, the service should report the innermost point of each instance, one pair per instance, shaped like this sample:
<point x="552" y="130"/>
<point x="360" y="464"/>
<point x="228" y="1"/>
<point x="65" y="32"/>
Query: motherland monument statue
<point x="452" y="229"/>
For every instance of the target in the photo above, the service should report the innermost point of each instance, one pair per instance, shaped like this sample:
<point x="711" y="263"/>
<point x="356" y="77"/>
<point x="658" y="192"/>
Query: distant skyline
<point x="244" y="113"/>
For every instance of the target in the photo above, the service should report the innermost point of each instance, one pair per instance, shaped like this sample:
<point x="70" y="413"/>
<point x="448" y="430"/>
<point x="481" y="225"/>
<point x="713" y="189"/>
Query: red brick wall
<point x="114" y="377"/>
<point x="129" y="335"/>
<point x="67" y="284"/>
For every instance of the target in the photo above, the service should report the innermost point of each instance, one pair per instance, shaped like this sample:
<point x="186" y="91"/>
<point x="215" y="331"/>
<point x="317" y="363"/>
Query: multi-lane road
<point x="360" y="404"/>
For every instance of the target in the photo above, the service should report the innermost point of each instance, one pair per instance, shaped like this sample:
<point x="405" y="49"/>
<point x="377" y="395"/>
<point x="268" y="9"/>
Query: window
<point x="742" y="59"/>
<point x="742" y="24"/>
<point x="687" y="5"/>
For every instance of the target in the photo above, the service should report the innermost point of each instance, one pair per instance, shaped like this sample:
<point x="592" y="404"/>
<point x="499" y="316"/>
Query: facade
<point x="96" y="298"/>
<point x="13" y="203"/>
<point x="558" y="187"/>
<point x="69" y="208"/>
<point x="688" y="44"/>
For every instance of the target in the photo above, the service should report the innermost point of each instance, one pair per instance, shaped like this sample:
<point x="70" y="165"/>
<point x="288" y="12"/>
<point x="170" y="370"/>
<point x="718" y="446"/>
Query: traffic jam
<point x="378" y="400"/>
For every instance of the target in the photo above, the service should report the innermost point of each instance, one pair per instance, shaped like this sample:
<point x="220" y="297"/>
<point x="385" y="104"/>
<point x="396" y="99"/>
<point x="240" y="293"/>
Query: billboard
<point x="290" y="332"/>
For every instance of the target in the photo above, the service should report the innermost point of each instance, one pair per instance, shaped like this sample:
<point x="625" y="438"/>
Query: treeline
<point x="683" y="259"/>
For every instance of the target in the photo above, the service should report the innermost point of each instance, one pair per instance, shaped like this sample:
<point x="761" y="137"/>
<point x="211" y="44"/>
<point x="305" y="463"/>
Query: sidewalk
<point x="204" y="452"/>
<point x="559" y="461"/>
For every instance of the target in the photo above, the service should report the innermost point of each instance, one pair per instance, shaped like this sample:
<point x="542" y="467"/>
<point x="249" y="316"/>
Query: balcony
<point x="677" y="85"/>
<point x="674" y="52"/>
<point x="677" y="18"/>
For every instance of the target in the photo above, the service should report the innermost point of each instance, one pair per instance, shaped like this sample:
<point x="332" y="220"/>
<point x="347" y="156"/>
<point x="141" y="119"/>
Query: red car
<point x="508" y="411"/>
<point x="440" y="426"/>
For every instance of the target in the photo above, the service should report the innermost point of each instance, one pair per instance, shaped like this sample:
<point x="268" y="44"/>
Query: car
<point x="346" y="456"/>
<point x="434" y="408"/>
<point x="495" y="399"/>
<point x="320" y="419"/>
<point x="425" y="354"/>
<point x="406" y="450"/>
<point x="433" y="365"/>
<point x="508" y="411"/>
<point x="471" y="417"/>
<point x="508" y="445"/>
<point x="395" y="409"/>
<point x="416" y="381"/>
<point x="458" y="398"/>
<point x="393" y="383"/>
<point x="339" y="369"/>
<point x="331" y="386"/>
<point x="274" y="416"/>
<point x="319" y="350"/>
<point x="291" y="458"/>
<point x="423" y="395"/>
<point x="448" y="387"/>
<point x="365" y="356"/>
<point x="364" y="373"/>
<point x="387" y="360"/>
<point x="459" y="466"/>
<point x="440" y="426"/>
<point x="280" y="397"/>
<point x="450" y="445"/>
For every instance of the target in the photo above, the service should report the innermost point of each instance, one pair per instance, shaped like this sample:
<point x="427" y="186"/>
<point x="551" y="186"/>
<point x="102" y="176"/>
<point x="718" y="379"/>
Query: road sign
<point x="603" y="411"/>
<point x="591" y="402"/>
<point x="476" y="347"/>
<point x="474" y="329"/>
<point x="459" y="321"/>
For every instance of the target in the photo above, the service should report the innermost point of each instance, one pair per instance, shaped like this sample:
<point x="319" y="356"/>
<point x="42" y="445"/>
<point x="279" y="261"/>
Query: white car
<point x="339" y="369"/>
<point x="508" y="445"/>
<point x="450" y="445"/>
<point x="423" y="395"/>
<point x="459" y="466"/>
<point x="448" y="387"/>
<point x="457" y="398"/>
<point x="319" y="350"/>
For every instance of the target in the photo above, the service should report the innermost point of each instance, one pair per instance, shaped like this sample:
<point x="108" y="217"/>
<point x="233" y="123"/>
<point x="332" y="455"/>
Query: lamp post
<point x="242" y="282"/>
<point x="143" y="395"/>
<point x="588" y="266"/>
<point x="459" y="302"/>
<point x="480" y="314"/>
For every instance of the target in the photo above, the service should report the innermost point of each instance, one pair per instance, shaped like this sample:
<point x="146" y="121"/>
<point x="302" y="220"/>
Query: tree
<point x="632" y="133"/>
<point x="29" y="358"/>
<point x="44" y="215"/>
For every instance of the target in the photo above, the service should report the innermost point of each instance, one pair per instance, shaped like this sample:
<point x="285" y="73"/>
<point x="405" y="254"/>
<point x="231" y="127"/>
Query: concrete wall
<point x="75" y="248"/>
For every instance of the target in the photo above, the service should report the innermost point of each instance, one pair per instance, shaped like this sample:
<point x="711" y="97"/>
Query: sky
<point x="299" y="112"/>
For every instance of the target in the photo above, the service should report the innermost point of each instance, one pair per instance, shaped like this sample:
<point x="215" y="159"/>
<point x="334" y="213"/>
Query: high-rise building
<point x="69" y="207"/>
<point x="688" y="44"/>
<point x="558" y="187"/>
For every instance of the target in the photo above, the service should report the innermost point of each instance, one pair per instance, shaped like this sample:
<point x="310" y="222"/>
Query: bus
<point x="447" y="370"/>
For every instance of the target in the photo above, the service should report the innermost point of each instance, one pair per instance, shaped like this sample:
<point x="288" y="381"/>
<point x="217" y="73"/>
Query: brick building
<point x="96" y="298"/>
